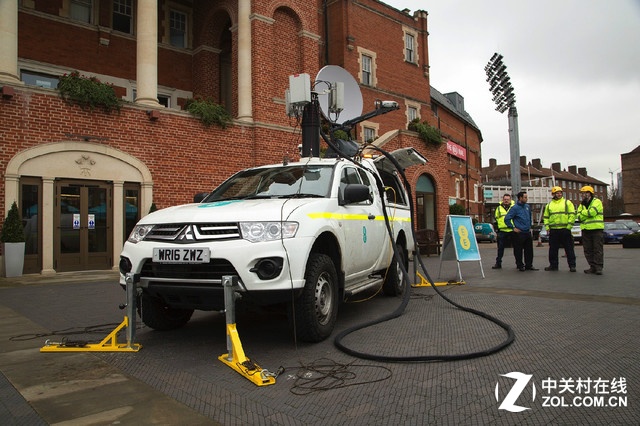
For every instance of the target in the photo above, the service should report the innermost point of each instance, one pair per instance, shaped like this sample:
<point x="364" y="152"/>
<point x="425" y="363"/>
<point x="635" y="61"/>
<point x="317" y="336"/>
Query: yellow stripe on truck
<point x="341" y="216"/>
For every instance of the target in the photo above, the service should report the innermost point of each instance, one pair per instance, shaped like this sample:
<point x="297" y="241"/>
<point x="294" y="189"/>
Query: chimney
<point x="573" y="170"/>
<point x="582" y="171"/>
<point x="492" y="163"/>
<point x="556" y="167"/>
<point x="456" y="100"/>
<point x="523" y="161"/>
<point x="536" y="163"/>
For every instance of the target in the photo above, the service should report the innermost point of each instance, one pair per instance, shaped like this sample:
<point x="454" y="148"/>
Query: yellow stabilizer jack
<point x="108" y="344"/>
<point x="237" y="360"/>
<point x="424" y="283"/>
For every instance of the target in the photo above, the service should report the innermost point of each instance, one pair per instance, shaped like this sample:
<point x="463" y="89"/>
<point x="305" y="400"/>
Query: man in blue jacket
<point x="519" y="219"/>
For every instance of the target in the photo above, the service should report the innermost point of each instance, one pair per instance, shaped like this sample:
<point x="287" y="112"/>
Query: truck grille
<point x="192" y="232"/>
<point x="214" y="270"/>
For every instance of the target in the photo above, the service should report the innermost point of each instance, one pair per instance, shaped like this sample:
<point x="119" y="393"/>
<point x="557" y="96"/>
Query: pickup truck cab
<point x="309" y="234"/>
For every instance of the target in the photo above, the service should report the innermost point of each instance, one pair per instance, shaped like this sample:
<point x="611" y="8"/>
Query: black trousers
<point x="522" y="244"/>
<point x="561" y="238"/>
<point x="593" y="245"/>
<point x="504" y="240"/>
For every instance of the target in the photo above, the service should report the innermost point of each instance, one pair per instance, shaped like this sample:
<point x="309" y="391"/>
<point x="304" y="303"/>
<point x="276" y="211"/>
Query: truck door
<point x="363" y="228"/>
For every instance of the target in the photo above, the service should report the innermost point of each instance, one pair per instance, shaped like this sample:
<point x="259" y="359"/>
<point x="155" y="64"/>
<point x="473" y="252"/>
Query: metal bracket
<point x="424" y="283"/>
<point x="236" y="358"/>
<point x="109" y="343"/>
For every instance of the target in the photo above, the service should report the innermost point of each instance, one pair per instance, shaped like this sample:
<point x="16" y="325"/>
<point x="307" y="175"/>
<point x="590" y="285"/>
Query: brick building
<point x="82" y="178"/>
<point x="538" y="181"/>
<point x="631" y="181"/>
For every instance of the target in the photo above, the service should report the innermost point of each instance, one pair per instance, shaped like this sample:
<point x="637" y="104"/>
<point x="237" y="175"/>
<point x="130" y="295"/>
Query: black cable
<point x="406" y="296"/>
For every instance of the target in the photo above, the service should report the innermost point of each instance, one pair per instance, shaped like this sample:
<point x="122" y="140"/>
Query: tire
<point x="315" y="310"/>
<point x="158" y="316"/>
<point x="394" y="281"/>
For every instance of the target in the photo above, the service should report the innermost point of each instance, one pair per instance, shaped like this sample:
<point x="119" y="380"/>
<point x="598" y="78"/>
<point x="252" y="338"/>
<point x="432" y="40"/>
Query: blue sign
<point x="464" y="238"/>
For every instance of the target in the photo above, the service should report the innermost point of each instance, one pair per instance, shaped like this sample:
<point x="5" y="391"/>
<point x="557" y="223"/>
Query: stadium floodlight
<point x="505" y="99"/>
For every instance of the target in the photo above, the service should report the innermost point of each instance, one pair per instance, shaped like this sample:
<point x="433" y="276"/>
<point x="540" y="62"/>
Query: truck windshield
<point x="276" y="182"/>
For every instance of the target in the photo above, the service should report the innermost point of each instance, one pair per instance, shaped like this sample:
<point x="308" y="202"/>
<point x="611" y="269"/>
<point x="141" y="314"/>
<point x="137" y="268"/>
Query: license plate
<point x="181" y="255"/>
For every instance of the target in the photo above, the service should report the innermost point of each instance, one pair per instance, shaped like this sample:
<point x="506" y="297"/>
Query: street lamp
<point x="504" y="98"/>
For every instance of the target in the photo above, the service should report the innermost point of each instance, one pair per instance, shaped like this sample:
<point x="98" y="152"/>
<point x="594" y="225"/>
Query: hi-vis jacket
<point x="592" y="217"/>
<point x="559" y="214"/>
<point x="501" y="212"/>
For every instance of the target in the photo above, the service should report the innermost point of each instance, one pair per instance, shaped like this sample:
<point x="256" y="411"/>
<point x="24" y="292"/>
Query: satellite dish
<point x="352" y="95"/>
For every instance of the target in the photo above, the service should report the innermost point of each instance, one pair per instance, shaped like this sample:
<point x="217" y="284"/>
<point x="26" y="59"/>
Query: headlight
<point x="267" y="231"/>
<point x="138" y="233"/>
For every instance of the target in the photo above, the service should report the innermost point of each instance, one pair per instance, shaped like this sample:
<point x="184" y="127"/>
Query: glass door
<point x="83" y="236"/>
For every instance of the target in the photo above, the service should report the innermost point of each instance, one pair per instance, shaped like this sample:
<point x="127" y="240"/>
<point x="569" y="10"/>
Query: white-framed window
<point x="369" y="131"/>
<point x="413" y="111"/>
<point x="369" y="134"/>
<point x="178" y="28"/>
<point x="81" y="10"/>
<point x="410" y="45"/>
<point x="367" y="72"/>
<point x="122" y="17"/>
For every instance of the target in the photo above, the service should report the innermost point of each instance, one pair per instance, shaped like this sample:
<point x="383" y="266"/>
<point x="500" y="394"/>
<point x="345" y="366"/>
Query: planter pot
<point x="13" y="259"/>
<point x="631" y="243"/>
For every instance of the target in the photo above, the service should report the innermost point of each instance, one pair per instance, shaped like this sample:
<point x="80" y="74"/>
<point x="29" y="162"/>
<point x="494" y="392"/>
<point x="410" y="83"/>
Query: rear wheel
<point x="157" y="315"/>
<point x="316" y="308"/>
<point x="394" y="281"/>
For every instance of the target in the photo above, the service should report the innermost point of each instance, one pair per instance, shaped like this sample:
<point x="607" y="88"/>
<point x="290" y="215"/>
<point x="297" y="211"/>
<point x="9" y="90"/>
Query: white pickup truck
<point x="309" y="234"/>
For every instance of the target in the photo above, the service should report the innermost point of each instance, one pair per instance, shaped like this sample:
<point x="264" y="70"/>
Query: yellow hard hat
<point x="556" y="189"/>
<point x="587" y="188"/>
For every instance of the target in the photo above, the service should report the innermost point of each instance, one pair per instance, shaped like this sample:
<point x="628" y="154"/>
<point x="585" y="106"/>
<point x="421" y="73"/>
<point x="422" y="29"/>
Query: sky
<point x="574" y="66"/>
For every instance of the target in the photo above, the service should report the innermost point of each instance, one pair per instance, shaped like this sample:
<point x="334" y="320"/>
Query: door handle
<point x="371" y="216"/>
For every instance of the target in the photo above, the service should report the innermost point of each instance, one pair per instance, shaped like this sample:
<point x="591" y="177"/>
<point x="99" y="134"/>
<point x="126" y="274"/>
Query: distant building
<point x="631" y="181"/>
<point x="538" y="181"/>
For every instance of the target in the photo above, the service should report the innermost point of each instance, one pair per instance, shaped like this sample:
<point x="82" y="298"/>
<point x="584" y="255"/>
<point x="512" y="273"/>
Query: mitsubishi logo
<point x="187" y="233"/>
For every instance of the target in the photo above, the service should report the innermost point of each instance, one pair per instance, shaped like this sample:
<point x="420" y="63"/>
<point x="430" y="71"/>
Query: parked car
<point x="576" y="232"/>
<point x="485" y="232"/>
<point x="631" y="224"/>
<point x="614" y="231"/>
<point x="543" y="235"/>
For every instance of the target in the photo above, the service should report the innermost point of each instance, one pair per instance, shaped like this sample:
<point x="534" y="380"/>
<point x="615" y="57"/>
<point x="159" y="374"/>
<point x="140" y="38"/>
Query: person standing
<point x="518" y="218"/>
<point x="591" y="217"/>
<point x="504" y="232"/>
<point x="559" y="215"/>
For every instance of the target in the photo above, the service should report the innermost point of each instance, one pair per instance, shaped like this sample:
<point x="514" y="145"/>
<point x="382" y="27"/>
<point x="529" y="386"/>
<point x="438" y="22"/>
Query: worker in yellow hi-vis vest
<point x="591" y="217"/>
<point x="559" y="216"/>
<point x="504" y="232"/>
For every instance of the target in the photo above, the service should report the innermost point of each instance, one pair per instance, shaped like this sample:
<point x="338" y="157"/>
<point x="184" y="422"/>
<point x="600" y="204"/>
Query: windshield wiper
<point x="301" y="195"/>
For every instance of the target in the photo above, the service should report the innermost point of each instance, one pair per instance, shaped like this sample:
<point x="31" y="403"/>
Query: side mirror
<point x="200" y="196"/>
<point x="355" y="193"/>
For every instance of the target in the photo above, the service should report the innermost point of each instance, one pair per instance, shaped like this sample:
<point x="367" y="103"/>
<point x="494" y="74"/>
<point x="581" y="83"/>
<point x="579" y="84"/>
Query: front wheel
<point x="316" y="308"/>
<point x="394" y="281"/>
<point x="157" y="315"/>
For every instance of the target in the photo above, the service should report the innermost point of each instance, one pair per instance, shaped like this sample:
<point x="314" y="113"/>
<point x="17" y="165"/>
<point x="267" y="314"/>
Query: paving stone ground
<point x="575" y="358"/>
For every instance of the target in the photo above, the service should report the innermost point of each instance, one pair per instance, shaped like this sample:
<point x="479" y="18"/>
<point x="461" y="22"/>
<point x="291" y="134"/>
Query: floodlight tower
<point x="504" y="98"/>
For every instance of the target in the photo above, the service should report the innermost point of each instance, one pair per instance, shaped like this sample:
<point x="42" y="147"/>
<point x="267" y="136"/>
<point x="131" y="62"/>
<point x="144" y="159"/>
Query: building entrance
<point x="83" y="220"/>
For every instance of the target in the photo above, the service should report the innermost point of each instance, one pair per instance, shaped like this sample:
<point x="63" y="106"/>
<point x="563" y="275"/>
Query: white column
<point x="118" y="221"/>
<point x="9" y="41"/>
<point x="244" y="61"/>
<point x="147" y="53"/>
<point x="48" y="199"/>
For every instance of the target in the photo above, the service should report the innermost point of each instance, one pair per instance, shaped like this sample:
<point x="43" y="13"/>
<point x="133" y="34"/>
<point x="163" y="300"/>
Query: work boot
<point x="590" y="271"/>
<point x="551" y="268"/>
<point x="497" y="266"/>
<point x="598" y="272"/>
<point x="572" y="268"/>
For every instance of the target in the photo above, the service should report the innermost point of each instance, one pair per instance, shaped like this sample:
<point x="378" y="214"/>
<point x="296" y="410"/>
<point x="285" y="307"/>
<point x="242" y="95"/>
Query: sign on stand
<point x="460" y="243"/>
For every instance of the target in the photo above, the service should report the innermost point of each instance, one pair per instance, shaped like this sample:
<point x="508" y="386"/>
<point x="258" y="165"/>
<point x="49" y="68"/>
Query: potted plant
<point x="631" y="240"/>
<point x="12" y="237"/>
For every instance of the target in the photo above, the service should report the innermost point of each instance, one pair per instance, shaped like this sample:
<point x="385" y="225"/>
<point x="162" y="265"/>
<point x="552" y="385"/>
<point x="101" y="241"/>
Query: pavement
<point x="575" y="358"/>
